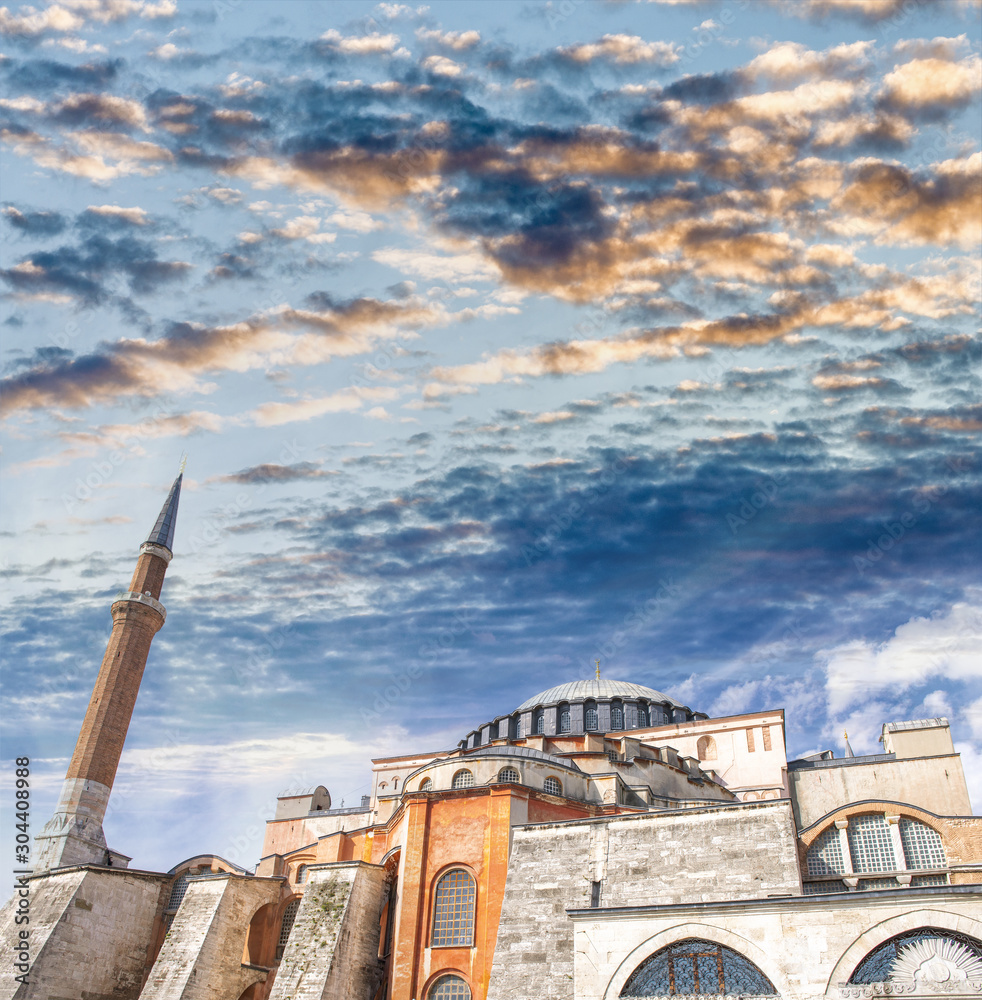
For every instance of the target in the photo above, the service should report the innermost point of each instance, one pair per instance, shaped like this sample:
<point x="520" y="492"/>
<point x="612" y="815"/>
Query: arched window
<point x="453" y="910"/>
<point x="697" y="967"/>
<point x="616" y="715"/>
<point x="449" y="988"/>
<point x="591" y="720"/>
<point x="552" y="786"/>
<point x="825" y="855"/>
<point x="509" y="774"/>
<point x="706" y="748"/>
<point x="177" y="892"/>
<point x="899" y="959"/>
<point x="644" y="719"/>
<point x="301" y="875"/>
<point x="289" y="915"/>
<point x="565" y="721"/>
<point x="463" y="779"/>
<point x="922" y="845"/>
<point x="870" y="844"/>
<point x="426" y="785"/>
<point x="540" y="721"/>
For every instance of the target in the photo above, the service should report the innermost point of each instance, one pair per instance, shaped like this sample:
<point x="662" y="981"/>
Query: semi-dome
<point x="593" y="688"/>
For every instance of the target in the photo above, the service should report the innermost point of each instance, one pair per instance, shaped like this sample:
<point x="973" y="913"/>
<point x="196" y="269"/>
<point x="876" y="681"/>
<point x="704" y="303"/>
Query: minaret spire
<point x="74" y="834"/>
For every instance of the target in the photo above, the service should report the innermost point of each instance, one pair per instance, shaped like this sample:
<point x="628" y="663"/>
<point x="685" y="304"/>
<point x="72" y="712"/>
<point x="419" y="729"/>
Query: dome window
<point x="591" y="718"/>
<point x="616" y="715"/>
<point x="552" y="786"/>
<point x="644" y="719"/>
<point x="463" y="779"/>
<point x="539" y="722"/>
<point x="565" y="724"/>
<point x="426" y="785"/>
<point x="509" y="774"/>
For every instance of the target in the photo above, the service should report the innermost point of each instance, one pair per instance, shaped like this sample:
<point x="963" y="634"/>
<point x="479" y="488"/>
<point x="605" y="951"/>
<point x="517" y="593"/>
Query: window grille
<point x="922" y="845"/>
<point x="750" y="741"/>
<point x="591" y="719"/>
<point x="706" y="748"/>
<point x="616" y="717"/>
<point x="552" y="786"/>
<point x="509" y="774"/>
<point x="301" y="874"/>
<point x="565" y="723"/>
<point x="867" y="884"/>
<point x="453" y="910"/>
<point x="613" y="756"/>
<point x="766" y="732"/>
<point x="426" y="785"/>
<point x="696" y="967"/>
<point x="877" y="965"/>
<point x="463" y="779"/>
<point x="289" y="915"/>
<point x="449" y="988"/>
<point x="870" y="844"/>
<point x="643" y="717"/>
<point x="813" y="888"/>
<point x="177" y="892"/>
<point x="918" y="881"/>
<point x="825" y="855"/>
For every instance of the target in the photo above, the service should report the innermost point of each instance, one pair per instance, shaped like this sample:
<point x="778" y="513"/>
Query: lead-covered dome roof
<point x="593" y="688"/>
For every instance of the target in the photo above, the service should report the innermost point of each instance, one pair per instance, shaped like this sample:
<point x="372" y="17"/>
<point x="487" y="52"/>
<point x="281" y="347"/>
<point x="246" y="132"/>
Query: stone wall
<point x="90" y="933"/>
<point x="332" y="953"/>
<point x="732" y="852"/>
<point x="201" y="958"/>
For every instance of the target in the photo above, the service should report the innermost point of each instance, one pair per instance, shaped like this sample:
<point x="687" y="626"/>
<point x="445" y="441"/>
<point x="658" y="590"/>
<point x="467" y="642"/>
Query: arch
<point x="892" y="927"/>
<point x="706" y="748"/>
<point x="301" y="874"/>
<point x="538" y="722"/>
<point x="260" y="944"/>
<point x="644" y="715"/>
<point x="922" y="844"/>
<point x="454" y="898"/>
<point x="448" y="986"/>
<point x="680" y="932"/>
<point x="879" y="965"/>
<point x="552" y="786"/>
<point x="695" y="967"/>
<point x="426" y="785"/>
<point x="463" y="779"/>
<point x="509" y="774"/>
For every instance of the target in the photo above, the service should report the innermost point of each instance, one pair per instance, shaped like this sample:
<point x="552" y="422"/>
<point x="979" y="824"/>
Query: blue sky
<point x="501" y="337"/>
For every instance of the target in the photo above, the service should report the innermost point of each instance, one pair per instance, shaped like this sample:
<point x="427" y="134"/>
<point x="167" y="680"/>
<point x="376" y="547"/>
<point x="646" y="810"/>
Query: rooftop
<point x="594" y="688"/>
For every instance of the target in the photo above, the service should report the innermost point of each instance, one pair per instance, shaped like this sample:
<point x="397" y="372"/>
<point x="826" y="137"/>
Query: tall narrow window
<point x="644" y="719"/>
<point x="565" y="723"/>
<point x="177" y="892"/>
<point x="540" y="722"/>
<point x="289" y="916"/>
<point x="301" y="875"/>
<point x="870" y="844"/>
<point x="453" y="910"/>
<point x="616" y="715"/>
<point x="591" y="719"/>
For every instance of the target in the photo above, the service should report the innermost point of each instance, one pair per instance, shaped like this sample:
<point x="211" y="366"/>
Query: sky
<point x="501" y="338"/>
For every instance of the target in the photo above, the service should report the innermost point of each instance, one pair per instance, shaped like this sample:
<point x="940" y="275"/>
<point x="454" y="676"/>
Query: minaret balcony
<point x="138" y="598"/>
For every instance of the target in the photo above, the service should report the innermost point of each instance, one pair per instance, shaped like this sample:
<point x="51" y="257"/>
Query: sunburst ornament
<point x="935" y="961"/>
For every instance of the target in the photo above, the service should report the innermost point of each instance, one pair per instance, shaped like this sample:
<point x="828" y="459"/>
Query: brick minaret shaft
<point x="74" y="834"/>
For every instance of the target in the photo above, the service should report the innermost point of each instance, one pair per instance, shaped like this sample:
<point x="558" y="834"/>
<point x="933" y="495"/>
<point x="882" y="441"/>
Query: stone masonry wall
<point x="332" y="953"/>
<point x="90" y="929"/>
<point x="201" y="958"/>
<point x="746" y="851"/>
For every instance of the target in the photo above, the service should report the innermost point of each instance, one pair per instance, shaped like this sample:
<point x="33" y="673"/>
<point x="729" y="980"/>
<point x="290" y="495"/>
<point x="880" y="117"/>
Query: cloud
<point x="38" y="223"/>
<point x="929" y="85"/>
<point x="946" y="645"/>
<point x="623" y="50"/>
<point x="71" y="15"/>
<point x="374" y="43"/>
<point x="261" y="474"/>
<point x="344" y="401"/>
<point x="459" y="41"/>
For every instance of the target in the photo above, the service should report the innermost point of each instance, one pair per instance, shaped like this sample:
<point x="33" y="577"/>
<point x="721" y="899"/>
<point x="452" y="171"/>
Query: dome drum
<point x="600" y="706"/>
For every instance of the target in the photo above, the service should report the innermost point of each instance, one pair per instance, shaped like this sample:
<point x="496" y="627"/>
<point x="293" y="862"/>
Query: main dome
<point x="593" y="688"/>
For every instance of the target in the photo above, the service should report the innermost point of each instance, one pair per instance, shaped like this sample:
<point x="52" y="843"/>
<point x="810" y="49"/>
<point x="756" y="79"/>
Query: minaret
<point x="74" y="836"/>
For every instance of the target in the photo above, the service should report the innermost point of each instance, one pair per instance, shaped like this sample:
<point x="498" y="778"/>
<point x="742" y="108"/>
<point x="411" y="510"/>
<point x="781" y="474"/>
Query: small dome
<point x="603" y="688"/>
